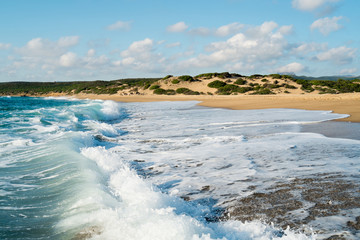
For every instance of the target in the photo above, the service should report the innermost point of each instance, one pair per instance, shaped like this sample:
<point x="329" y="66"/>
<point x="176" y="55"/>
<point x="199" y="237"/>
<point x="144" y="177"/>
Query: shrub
<point x="290" y="86"/>
<point x="170" y="92"/>
<point x="205" y="75"/>
<point x="186" y="78"/>
<point x="146" y="86"/>
<point x="240" y="81"/>
<point x="264" y="80"/>
<point x="216" y="84"/>
<point x="160" y="91"/>
<point x="175" y="81"/>
<point x="263" y="91"/>
<point x="187" y="91"/>
<point x="153" y="87"/>
<point x="228" y="89"/>
<point x="223" y="75"/>
<point x="276" y="76"/>
<point x="168" y="76"/>
<point x="256" y="76"/>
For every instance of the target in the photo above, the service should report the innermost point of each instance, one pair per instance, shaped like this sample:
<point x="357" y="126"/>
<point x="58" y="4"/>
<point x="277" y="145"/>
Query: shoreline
<point x="346" y="103"/>
<point x="341" y="103"/>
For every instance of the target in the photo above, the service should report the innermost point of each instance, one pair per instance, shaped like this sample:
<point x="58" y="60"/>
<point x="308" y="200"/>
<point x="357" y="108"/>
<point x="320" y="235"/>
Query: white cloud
<point x="141" y="56"/>
<point x="348" y="71"/>
<point x="291" y="68"/>
<point x="39" y="47"/>
<point x="4" y="46"/>
<point x="340" y="55"/>
<point x="91" y="52"/>
<point x="229" y="29"/>
<point x="306" y="48"/>
<point x="68" y="59"/>
<point x="142" y="46"/>
<point x="260" y="46"/>
<point x="326" y="25"/>
<point x="200" y="31"/>
<point x="310" y="5"/>
<point x="268" y="27"/>
<point x="175" y="44"/>
<point x="68" y="41"/>
<point x="119" y="25"/>
<point x="286" y="30"/>
<point x="177" y="27"/>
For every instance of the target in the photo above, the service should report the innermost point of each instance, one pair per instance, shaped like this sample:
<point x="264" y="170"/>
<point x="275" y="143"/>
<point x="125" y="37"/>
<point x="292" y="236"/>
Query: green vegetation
<point x="279" y="76"/>
<point x="228" y="89"/>
<point x="160" y="91"/>
<point x="219" y="75"/>
<point x="254" y="76"/>
<point x="289" y="86"/>
<point x="187" y="91"/>
<point x="153" y="87"/>
<point x="216" y="84"/>
<point x="263" y="91"/>
<point x="240" y="81"/>
<point x="168" y="76"/>
<point x="175" y="81"/>
<point x="95" y="87"/>
<point x="186" y="78"/>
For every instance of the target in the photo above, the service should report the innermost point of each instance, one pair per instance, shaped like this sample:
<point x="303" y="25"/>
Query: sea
<point x="93" y="169"/>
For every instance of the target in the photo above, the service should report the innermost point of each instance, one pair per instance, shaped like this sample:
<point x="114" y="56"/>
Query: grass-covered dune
<point x="202" y="84"/>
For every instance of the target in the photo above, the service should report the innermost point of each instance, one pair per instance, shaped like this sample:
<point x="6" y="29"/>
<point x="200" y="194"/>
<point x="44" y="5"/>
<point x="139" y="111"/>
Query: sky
<point x="67" y="40"/>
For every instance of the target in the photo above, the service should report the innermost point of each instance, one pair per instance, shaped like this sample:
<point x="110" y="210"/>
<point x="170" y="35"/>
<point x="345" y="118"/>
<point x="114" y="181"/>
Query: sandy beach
<point x="339" y="103"/>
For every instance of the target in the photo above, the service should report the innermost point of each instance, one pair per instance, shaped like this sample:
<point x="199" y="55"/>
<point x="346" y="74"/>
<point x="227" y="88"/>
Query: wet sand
<point x="340" y="103"/>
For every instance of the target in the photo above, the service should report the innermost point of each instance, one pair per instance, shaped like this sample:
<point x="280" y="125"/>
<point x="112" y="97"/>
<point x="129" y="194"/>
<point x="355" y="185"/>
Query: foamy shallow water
<point x="168" y="170"/>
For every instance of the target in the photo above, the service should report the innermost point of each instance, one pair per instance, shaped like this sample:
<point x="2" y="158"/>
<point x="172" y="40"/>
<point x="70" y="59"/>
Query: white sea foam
<point x="143" y="212"/>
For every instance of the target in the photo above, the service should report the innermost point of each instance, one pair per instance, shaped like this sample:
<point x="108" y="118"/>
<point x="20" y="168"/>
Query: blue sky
<point x="44" y="40"/>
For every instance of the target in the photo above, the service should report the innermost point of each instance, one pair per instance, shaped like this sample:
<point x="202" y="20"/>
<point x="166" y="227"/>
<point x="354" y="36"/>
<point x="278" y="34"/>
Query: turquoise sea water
<point x="84" y="169"/>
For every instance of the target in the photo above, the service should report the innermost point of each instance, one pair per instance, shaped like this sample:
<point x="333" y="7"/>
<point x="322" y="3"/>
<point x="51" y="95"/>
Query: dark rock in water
<point x="335" y="237"/>
<point x="300" y="201"/>
<point x="354" y="225"/>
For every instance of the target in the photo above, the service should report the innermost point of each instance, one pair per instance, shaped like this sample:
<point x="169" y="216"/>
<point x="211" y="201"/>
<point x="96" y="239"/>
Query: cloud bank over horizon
<point x="153" y="46"/>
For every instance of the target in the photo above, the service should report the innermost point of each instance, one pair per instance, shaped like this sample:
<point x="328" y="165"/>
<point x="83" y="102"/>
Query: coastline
<point x="341" y="103"/>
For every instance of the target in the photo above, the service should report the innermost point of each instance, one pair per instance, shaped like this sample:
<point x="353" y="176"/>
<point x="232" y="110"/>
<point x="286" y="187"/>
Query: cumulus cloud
<point x="306" y="48"/>
<point x="326" y="25"/>
<point x="177" y="27"/>
<point x="141" y="55"/>
<point x="259" y="46"/>
<point x="68" y="41"/>
<point x="200" y="31"/>
<point x="4" y="46"/>
<point x="294" y="67"/>
<point x="310" y="5"/>
<point x="142" y="46"/>
<point x="341" y="55"/>
<point x="229" y="29"/>
<point x="68" y="59"/>
<point x="119" y="25"/>
<point x="39" y="47"/>
<point x="286" y="30"/>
